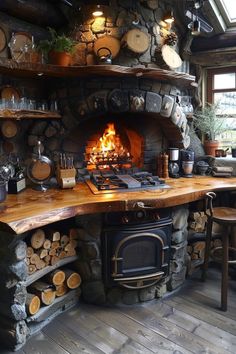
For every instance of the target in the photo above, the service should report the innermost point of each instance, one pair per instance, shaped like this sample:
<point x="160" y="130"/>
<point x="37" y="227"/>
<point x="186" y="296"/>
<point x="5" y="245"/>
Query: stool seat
<point x="223" y="216"/>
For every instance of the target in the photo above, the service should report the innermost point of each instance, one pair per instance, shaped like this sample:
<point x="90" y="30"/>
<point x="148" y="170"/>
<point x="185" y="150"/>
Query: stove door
<point x="136" y="258"/>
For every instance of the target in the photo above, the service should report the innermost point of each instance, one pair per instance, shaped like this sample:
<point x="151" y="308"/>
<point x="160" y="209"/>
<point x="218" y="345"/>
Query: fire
<point x="109" y="150"/>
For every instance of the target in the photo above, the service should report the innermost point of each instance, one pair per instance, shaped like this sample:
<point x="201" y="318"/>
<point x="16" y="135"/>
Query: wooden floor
<point x="187" y="321"/>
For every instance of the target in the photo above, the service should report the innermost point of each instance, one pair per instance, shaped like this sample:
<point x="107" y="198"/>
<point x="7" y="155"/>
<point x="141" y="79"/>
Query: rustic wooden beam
<point x="216" y="57"/>
<point x="223" y="40"/>
<point x="11" y="67"/>
<point x="42" y="13"/>
<point x="12" y="24"/>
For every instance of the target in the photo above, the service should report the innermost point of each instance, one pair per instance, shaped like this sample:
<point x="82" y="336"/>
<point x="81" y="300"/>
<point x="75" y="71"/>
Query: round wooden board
<point x="3" y="40"/>
<point x="9" y="129"/>
<point x="21" y="39"/>
<point x="110" y="42"/>
<point x="8" y="92"/>
<point x="170" y="57"/>
<point x="137" y="41"/>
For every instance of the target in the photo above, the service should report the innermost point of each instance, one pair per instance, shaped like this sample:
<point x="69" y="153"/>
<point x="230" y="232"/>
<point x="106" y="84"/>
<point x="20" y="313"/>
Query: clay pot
<point x="210" y="147"/>
<point x="59" y="58"/>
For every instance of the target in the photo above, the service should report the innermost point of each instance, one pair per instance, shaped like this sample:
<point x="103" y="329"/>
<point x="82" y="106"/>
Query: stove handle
<point x="141" y="205"/>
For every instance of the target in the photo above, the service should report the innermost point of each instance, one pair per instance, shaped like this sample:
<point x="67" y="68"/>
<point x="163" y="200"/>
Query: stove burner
<point x="119" y="182"/>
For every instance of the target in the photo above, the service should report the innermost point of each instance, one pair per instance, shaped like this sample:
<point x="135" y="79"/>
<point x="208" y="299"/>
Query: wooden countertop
<point x="31" y="209"/>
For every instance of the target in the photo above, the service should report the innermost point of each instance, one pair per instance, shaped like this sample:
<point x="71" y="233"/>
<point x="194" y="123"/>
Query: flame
<point x="109" y="148"/>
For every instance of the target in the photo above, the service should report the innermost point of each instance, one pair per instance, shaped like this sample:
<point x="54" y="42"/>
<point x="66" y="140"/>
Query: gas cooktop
<point x="107" y="182"/>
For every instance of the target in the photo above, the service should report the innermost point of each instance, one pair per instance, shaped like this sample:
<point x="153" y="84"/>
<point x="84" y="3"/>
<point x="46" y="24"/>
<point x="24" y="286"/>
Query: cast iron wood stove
<point x="136" y="247"/>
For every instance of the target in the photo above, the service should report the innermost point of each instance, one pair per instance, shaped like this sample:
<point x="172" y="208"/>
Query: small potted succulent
<point x="58" y="49"/>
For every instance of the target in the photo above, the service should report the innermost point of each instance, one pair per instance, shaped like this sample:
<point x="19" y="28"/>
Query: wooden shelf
<point x="28" y="114"/>
<point x="11" y="67"/>
<point x="42" y="272"/>
<point x="71" y="298"/>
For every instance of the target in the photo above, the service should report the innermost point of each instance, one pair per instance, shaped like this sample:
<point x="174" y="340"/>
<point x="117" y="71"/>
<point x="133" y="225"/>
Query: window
<point x="228" y="11"/>
<point x="221" y="89"/>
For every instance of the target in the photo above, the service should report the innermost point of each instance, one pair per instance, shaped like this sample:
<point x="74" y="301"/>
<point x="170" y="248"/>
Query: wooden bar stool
<point x="227" y="217"/>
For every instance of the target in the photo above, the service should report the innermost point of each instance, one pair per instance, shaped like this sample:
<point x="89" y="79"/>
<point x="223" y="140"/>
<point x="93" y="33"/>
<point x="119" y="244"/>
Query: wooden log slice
<point x="37" y="239"/>
<point x="3" y="40"/>
<point x="54" y="260"/>
<point x="47" y="260"/>
<point x="47" y="244"/>
<point x="170" y="57"/>
<point x="44" y="291"/>
<point x="9" y="129"/>
<point x="111" y="43"/>
<point x="57" y="277"/>
<point x="73" y="279"/>
<point x="31" y="269"/>
<point x="42" y="253"/>
<point x="34" y="259"/>
<point x="55" y="245"/>
<point x="64" y="240"/>
<point x="32" y="304"/>
<point x="136" y="40"/>
<point x="61" y="289"/>
<point x="29" y="251"/>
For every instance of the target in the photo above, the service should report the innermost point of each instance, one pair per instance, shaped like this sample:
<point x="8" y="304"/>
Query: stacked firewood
<point x="47" y="247"/>
<point x="196" y="249"/>
<point x="55" y="284"/>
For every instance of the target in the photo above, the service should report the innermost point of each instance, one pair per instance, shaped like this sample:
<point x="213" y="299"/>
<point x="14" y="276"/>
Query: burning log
<point x="108" y="151"/>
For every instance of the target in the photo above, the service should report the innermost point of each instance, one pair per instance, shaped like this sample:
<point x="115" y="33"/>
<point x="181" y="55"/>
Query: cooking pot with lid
<point x="105" y="56"/>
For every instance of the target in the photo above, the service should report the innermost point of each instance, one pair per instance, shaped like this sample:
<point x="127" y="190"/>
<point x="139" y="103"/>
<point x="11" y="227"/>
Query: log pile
<point x="55" y="284"/>
<point x="196" y="250"/>
<point x="47" y="247"/>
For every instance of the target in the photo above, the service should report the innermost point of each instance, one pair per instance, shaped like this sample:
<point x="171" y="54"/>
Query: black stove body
<point x="136" y="247"/>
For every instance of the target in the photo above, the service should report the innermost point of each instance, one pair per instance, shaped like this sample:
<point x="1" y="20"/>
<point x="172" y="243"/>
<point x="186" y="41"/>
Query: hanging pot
<point x="104" y="59"/>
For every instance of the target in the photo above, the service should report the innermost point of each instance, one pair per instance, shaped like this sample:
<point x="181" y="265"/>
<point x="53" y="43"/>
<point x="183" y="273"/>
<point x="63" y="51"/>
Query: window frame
<point x="225" y="14"/>
<point x="210" y="88"/>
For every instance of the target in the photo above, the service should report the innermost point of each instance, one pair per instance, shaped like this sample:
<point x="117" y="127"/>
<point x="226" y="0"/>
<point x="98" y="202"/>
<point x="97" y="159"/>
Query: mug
<point x="233" y="152"/>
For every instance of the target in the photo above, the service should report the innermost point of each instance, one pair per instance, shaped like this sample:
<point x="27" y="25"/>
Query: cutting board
<point x="110" y="42"/>
<point x="170" y="57"/>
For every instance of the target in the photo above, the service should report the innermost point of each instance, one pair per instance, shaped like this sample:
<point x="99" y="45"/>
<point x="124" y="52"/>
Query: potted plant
<point x="207" y="121"/>
<point x="58" y="49"/>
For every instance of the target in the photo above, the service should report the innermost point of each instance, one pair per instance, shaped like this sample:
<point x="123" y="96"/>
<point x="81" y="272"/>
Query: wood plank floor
<point x="187" y="321"/>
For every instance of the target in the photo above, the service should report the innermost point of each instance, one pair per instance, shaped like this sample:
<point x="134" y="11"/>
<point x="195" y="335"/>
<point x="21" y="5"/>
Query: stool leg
<point x="207" y="248"/>
<point x="225" y="266"/>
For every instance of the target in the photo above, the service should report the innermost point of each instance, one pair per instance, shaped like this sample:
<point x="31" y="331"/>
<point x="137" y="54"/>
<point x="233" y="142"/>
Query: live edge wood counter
<point x="31" y="209"/>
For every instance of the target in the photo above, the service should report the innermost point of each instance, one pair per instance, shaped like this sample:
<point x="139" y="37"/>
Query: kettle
<point x="104" y="59"/>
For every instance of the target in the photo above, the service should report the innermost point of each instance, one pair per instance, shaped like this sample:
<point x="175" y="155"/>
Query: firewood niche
<point x="39" y="282"/>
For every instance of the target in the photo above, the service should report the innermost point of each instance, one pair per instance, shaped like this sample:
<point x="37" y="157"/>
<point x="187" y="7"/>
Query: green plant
<point x="58" y="43"/>
<point x="207" y="120"/>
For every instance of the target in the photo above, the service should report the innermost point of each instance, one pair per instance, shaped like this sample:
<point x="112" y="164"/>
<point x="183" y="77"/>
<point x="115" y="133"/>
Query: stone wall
<point x="118" y="19"/>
